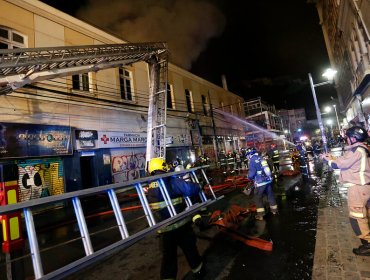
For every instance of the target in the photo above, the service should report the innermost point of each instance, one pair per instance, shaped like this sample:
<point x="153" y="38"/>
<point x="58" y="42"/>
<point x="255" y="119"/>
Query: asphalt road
<point x="292" y="233"/>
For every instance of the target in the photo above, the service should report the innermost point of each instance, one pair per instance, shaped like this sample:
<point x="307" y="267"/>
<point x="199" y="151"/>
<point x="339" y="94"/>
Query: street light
<point x="330" y="122"/>
<point x="329" y="74"/>
<point x="327" y="109"/>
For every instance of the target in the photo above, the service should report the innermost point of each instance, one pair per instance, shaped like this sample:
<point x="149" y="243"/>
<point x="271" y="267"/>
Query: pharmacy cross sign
<point x="105" y="139"/>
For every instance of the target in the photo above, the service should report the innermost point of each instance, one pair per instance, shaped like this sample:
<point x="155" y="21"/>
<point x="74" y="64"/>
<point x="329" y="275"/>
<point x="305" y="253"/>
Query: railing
<point x="127" y="240"/>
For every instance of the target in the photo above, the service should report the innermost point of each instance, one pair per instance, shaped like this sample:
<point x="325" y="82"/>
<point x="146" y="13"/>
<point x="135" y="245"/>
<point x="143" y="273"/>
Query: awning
<point x="363" y="85"/>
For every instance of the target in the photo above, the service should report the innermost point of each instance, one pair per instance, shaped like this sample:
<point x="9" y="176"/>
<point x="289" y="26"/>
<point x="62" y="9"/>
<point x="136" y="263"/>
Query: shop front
<point x="36" y="152"/>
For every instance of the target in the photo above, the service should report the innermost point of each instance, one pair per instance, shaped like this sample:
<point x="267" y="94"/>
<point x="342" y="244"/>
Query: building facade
<point x="293" y="120"/>
<point x="90" y="129"/>
<point x="263" y="124"/>
<point x="346" y="26"/>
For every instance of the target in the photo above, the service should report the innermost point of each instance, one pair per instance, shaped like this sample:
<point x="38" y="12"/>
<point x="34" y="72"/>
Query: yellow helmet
<point x="157" y="164"/>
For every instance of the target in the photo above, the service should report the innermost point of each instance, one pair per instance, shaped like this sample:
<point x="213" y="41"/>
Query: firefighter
<point x="317" y="149"/>
<point x="260" y="173"/>
<point x="238" y="162"/>
<point x="303" y="159"/>
<point x="354" y="168"/>
<point x="222" y="160"/>
<point x="274" y="155"/>
<point x="179" y="234"/>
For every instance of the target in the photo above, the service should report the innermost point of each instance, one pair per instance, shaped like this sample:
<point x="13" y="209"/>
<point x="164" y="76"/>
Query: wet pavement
<point x="312" y="239"/>
<point x="335" y="239"/>
<point x="292" y="233"/>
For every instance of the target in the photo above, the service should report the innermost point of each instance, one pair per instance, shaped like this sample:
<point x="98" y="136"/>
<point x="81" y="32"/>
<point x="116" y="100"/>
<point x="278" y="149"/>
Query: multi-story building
<point x="346" y="26"/>
<point x="90" y="128"/>
<point x="263" y="124"/>
<point x="293" y="120"/>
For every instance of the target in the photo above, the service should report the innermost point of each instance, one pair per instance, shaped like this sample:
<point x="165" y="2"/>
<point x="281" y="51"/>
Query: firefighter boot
<point x="362" y="250"/>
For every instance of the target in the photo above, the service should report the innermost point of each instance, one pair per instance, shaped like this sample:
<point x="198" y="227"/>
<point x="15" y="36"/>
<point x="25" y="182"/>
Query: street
<point x="292" y="233"/>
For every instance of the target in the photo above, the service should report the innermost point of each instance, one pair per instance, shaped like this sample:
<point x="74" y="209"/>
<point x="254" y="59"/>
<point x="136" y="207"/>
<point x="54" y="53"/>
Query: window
<point x="125" y="83"/>
<point x="11" y="39"/>
<point x="189" y="100"/>
<point x="205" y="105"/>
<point x="170" y="99"/>
<point x="80" y="82"/>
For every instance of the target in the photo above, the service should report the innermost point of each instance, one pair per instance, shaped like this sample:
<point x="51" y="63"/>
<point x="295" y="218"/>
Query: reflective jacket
<point x="274" y="155"/>
<point x="259" y="171"/>
<point x="354" y="165"/>
<point x="177" y="188"/>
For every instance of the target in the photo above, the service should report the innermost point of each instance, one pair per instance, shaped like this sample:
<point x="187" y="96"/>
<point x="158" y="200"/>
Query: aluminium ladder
<point x="127" y="240"/>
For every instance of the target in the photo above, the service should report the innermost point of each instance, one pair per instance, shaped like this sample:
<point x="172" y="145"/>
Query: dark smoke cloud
<point x="186" y="25"/>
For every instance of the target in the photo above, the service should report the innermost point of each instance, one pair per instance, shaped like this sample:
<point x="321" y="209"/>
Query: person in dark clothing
<point x="260" y="173"/>
<point x="274" y="155"/>
<point x="303" y="159"/>
<point x="317" y="149"/>
<point x="179" y="234"/>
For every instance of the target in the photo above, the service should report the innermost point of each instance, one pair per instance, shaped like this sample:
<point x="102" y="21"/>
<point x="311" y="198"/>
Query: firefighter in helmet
<point x="260" y="173"/>
<point x="179" y="234"/>
<point x="354" y="168"/>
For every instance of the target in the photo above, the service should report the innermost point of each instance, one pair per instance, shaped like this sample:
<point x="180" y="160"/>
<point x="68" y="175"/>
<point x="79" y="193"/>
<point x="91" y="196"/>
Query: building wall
<point x="346" y="28"/>
<point x="101" y="108"/>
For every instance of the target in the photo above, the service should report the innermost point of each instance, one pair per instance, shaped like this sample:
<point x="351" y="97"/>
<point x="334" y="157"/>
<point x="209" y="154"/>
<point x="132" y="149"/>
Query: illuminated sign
<point x="34" y="140"/>
<point x="121" y="139"/>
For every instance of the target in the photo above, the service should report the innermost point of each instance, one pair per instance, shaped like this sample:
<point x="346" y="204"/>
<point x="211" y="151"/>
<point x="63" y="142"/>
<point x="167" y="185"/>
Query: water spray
<point x="250" y="124"/>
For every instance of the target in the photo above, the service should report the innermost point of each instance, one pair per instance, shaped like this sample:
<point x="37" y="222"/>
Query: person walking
<point x="179" y="234"/>
<point x="354" y="167"/>
<point x="260" y="173"/>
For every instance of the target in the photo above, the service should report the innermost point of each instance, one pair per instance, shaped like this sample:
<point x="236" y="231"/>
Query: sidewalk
<point x="335" y="239"/>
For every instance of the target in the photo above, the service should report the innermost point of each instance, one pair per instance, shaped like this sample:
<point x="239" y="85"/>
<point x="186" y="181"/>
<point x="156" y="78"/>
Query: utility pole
<point x="215" y="144"/>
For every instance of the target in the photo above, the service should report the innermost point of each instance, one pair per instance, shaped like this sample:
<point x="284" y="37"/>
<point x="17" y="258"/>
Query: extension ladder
<point x="127" y="240"/>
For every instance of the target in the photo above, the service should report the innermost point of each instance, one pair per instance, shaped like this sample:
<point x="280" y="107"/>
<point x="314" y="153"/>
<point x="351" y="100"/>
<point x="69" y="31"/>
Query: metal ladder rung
<point x="82" y="226"/>
<point x="34" y="246"/>
<point x="118" y="214"/>
<point x="145" y="205"/>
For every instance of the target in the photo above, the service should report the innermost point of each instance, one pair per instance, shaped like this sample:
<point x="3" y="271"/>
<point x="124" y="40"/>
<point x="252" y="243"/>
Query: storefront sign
<point x="34" y="140"/>
<point x="121" y="139"/>
<point x="178" y="140"/>
<point x="86" y="139"/>
<point x="86" y="134"/>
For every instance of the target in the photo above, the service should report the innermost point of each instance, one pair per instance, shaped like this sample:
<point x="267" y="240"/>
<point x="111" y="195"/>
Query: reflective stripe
<point x="162" y="204"/>
<point x="259" y="210"/>
<point x="175" y="225"/>
<point x="363" y="165"/>
<point x="262" y="184"/>
<point x="356" y="214"/>
<point x="198" y="268"/>
<point x="274" y="207"/>
<point x="196" y="217"/>
<point x="259" y="172"/>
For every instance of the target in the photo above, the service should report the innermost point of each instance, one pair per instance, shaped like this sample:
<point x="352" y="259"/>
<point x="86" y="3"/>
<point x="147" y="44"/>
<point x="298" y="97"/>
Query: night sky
<point x="264" y="48"/>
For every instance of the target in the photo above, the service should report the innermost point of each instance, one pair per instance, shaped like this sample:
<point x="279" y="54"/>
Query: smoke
<point x="186" y="25"/>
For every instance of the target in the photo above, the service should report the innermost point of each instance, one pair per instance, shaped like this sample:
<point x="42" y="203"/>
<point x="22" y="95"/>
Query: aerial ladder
<point x="21" y="67"/>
